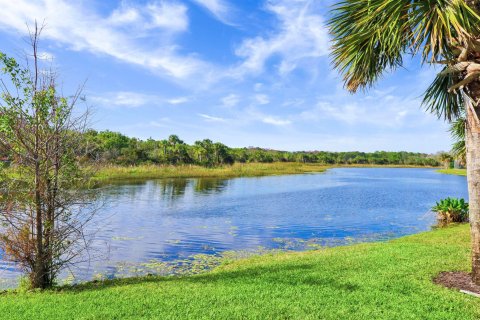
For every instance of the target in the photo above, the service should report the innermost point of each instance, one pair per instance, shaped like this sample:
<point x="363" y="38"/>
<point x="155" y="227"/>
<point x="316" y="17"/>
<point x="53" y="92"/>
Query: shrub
<point x="451" y="210"/>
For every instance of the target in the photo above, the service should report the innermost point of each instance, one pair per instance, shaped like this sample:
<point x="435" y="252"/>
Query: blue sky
<point x="246" y="73"/>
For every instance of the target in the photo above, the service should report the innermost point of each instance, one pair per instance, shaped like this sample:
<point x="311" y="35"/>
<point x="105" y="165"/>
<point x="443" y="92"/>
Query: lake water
<point x="158" y="225"/>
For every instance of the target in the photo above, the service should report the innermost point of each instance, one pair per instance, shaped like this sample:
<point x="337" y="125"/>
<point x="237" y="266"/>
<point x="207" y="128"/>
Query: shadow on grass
<point x="289" y="275"/>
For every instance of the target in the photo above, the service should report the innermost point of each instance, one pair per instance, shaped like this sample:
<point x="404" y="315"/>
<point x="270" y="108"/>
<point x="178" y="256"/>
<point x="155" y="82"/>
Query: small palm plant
<point x="451" y="210"/>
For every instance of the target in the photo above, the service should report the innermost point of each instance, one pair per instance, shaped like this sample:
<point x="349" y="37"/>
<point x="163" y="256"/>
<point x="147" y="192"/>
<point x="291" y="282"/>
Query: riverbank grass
<point x="391" y="280"/>
<point x="113" y="173"/>
<point x="458" y="172"/>
<point x="107" y="173"/>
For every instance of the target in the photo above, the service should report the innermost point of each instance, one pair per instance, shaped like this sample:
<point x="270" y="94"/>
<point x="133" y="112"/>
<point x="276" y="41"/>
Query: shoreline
<point x="331" y="283"/>
<point x="144" y="172"/>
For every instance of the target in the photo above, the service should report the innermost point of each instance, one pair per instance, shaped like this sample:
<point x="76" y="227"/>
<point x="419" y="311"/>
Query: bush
<point x="451" y="210"/>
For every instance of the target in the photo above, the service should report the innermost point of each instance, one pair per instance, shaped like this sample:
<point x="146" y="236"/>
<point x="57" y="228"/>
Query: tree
<point x="42" y="215"/>
<point x="446" y="158"/>
<point x="371" y="37"/>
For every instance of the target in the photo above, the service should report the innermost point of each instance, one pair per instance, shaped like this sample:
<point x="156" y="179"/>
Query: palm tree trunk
<point x="473" y="176"/>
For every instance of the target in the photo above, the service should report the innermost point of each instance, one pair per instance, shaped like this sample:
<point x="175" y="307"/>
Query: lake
<point x="176" y="225"/>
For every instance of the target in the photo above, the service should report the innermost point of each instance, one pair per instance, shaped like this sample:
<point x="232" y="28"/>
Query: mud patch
<point x="457" y="280"/>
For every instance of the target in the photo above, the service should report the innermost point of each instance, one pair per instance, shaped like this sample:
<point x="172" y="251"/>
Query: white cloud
<point x="348" y="113"/>
<point x="134" y="99"/>
<point x="276" y="121"/>
<point x="211" y="118"/>
<point x="125" y="99"/>
<point x="124" y="15"/>
<point x="168" y="15"/>
<point x="118" y="35"/>
<point x="297" y="102"/>
<point x="301" y="35"/>
<point x="164" y="15"/>
<point x="262" y="99"/>
<point x="380" y="109"/>
<point x="252" y="114"/>
<point x="219" y="8"/>
<point x="258" y="86"/>
<point x="179" y="100"/>
<point x="230" y="101"/>
<point x="47" y="56"/>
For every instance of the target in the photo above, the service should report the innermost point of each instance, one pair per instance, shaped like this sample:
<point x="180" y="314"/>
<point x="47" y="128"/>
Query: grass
<point x="116" y="173"/>
<point x="109" y="173"/>
<point x="391" y="280"/>
<point x="458" y="172"/>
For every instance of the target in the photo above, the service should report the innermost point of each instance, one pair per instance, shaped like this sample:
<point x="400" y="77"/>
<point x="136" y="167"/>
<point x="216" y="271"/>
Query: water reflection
<point x="167" y="189"/>
<point x="173" y="225"/>
<point x="210" y="186"/>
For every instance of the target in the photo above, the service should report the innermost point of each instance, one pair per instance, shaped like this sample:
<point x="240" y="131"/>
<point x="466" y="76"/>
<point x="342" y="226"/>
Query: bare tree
<point x="44" y="207"/>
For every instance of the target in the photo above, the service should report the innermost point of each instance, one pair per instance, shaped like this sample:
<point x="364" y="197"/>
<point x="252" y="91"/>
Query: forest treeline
<point x="115" y="148"/>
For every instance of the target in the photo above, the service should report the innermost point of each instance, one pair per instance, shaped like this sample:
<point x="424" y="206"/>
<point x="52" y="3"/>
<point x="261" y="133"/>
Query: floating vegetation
<point x="126" y="238"/>
<point x="233" y="231"/>
<point x="173" y="241"/>
<point x="299" y="244"/>
<point x="194" y="264"/>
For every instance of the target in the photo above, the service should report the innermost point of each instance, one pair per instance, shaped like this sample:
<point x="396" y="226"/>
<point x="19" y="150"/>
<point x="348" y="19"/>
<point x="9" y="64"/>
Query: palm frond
<point x="439" y="25"/>
<point x="370" y="36"/>
<point x="457" y="130"/>
<point x="459" y="151"/>
<point x="439" y="101"/>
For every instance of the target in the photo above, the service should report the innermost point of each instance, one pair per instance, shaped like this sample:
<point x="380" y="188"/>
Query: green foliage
<point x="41" y="216"/>
<point x="457" y="130"/>
<point x="390" y="280"/>
<point x="24" y="284"/>
<point x="114" y="173"/>
<point x="439" y="101"/>
<point x="370" y="37"/>
<point x="115" y="148"/>
<point x="446" y="158"/>
<point x="457" y="172"/>
<point x="451" y="210"/>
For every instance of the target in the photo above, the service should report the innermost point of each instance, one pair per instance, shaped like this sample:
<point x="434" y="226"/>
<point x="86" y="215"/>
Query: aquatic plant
<point x="451" y="210"/>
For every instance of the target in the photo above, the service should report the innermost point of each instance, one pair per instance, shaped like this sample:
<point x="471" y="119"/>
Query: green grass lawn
<point x="458" y="172"/>
<point x="390" y="280"/>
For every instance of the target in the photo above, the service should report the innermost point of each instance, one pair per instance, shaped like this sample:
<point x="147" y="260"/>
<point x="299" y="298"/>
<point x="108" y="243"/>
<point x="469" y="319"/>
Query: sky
<point x="245" y="73"/>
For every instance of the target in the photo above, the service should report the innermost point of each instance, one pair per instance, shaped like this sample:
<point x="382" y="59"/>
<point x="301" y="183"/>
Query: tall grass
<point x="111" y="172"/>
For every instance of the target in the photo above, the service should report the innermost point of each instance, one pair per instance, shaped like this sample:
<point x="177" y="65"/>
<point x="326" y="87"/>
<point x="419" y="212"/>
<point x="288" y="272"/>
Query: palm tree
<point x="164" y="146"/>
<point x="371" y="37"/>
<point x="199" y="151"/>
<point x="446" y="158"/>
<point x="174" y="146"/>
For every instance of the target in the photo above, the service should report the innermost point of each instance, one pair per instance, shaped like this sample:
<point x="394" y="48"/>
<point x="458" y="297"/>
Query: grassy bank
<point x="190" y="171"/>
<point x="368" y="281"/>
<point x="115" y="173"/>
<point x="458" y="172"/>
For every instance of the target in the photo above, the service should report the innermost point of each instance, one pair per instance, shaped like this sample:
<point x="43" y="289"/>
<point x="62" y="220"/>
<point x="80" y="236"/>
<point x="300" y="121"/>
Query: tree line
<point x="110" y="147"/>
